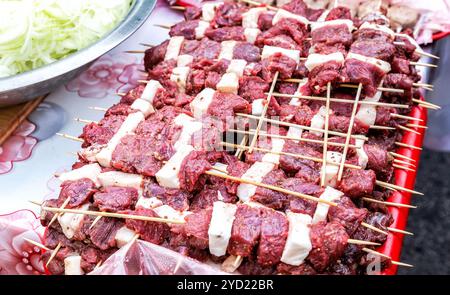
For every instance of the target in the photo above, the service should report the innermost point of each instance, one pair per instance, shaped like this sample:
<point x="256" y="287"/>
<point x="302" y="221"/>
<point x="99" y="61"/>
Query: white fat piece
<point x="221" y="168"/>
<point x="331" y="170"/>
<point x="179" y="75"/>
<point x="123" y="236"/>
<point x="251" y="34"/>
<point x="258" y="106"/>
<point x="201" y="29"/>
<point x="72" y="266"/>
<point x="90" y="152"/>
<point x="167" y="212"/>
<point x="298" y="244"/>
<point x="142" y="106"/>
<point x="237" y="66"/>
<point x="271" y="50"/>
<point x="381" y="64"/>
<point x="219" y="231"/>
<point x="314" y="60"/>
<point x="363" y="158"/>
<point x="184" y="60"/>
<point x="256" y="173"/>
<point x="227" y="49"/>
<point x="209" y="10"/>
<point x="367" y="113"/>
<point x="335" y="22"/>
<point x="174" y="47"/>
<point x="199" y="106"/>
<point x="228" y="83"/>
<point x="295" y="132"/>
<point x="148" y="203"/>
<point x="128" y="126"/>
<point x="283" y="14"/>
<point x="250" y="18"/>
<point x="318" y="121"/>
<point x="188" y="127"/>
<point x="373" y="26"/>
<point x="150" y="90"/>
<point x="91" y="171"/>
<point x="72" y="222"/>
<point x="167" y="176"/>
<point x="277" y="147"/>
<point x="117" y="178"/>
<point x="321" y="213"/>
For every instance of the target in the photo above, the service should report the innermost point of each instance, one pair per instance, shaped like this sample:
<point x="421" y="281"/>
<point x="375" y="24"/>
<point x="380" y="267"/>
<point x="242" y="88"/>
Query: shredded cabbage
<point x="34" y="33"/>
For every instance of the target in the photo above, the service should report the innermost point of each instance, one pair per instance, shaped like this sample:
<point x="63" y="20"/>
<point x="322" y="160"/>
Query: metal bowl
<point x="31" y="84"/>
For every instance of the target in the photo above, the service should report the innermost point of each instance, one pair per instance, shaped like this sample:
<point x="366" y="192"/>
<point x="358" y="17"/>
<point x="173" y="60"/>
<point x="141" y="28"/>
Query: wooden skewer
<point x="422" y="64"/>
<point x="54" y="252"/>
<point x="42" y="246"/>
<point x="176" y="7"/>
<point x="377" y="127"/>
<point x="98" y="109"/>
<point x="271" y="187"/>
<point x="263" y="113"/>
<point x="301" y="126"/>
<point x="408" y="129"/>
<point x="135" y="51"/>
<point x="121" y="93"/>
<point x="423" y="85"/>
<point x="349" y="132"/>
<point x="84" y="121"/>
<point x="163" y="26"/>
<point x="408" y="146"/>
<point x="404" y="163"/>
<point x="374" y="228"/>
<point x="239" y="151"/>
<point x="427" y="54"/>
<point x="287" y="154"/>
<point x="265" y="134"/>
<point x="396" y="230"/>
<point x="319" y="98"/>
<point x="360" y="242"/>
<point x="405" y="117"/>
<point x="70" y="137"/>
<point x="403" y="167"/>
<point x="400" y="205"/>
<point x="401" y="264"/>
<point x="426" y="104"/>
<point x="417" y="126"/>
<point x="55" y="216"/>
<point x="111" y="214"/>
<point x="401" y="156"/>
<point x="384" y="89"/>
<point x="391" y="229"/>
<point x="385" y="256"/>
<point x="147" y="45"/>
<point x="325" y="136"/>
<point x="386" y="184"/>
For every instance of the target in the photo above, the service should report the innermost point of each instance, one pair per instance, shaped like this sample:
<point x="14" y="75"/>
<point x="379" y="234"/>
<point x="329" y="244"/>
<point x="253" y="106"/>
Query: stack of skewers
<point x="263" y="139"/>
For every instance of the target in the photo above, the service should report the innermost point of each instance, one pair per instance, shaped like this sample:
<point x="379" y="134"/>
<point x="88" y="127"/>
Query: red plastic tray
<point x="406" y="179"/>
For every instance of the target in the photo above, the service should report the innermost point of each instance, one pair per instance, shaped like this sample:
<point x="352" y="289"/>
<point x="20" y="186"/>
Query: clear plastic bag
<point x="143" y="258"/>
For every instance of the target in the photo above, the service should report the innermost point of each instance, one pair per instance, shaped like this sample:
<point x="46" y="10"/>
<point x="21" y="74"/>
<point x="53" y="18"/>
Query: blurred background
<point x="429" y="249"/>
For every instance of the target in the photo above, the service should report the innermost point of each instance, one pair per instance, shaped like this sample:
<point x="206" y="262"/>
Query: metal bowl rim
<point x="139" y="12"/>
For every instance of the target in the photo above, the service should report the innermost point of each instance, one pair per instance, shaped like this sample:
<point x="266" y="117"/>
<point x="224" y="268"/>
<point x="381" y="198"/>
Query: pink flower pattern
<point x="17" y="256"/>
<point x="17" y="147"/>
<point x="101" y="78"/>
<point x="130" y="76"/>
